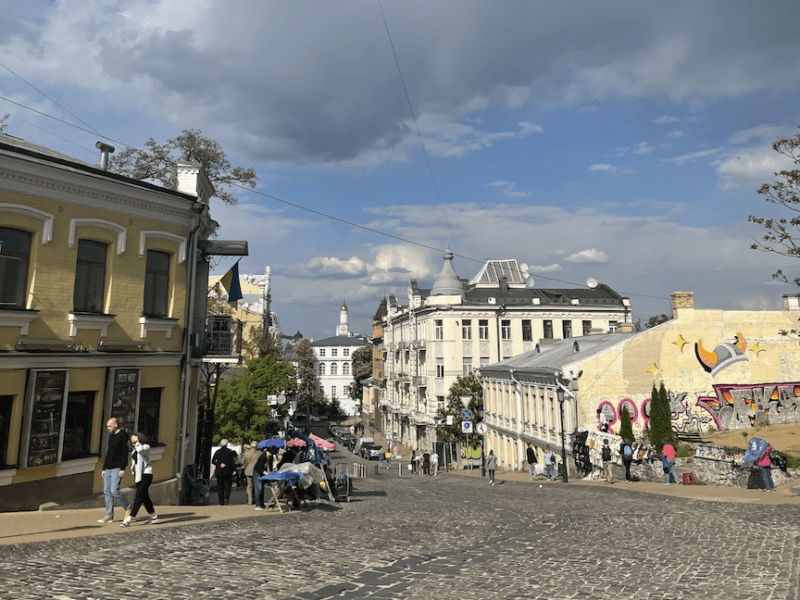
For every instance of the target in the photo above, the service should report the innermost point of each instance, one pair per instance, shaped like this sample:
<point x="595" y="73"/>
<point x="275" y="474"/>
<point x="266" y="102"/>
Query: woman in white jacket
<point x="142" y="469"/>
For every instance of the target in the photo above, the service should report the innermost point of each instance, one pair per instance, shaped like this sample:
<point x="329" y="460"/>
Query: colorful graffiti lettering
<point x="738" y="406"/>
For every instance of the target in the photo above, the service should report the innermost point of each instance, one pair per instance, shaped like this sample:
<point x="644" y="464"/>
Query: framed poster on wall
<point x="44" y="425"/>
<point x="123" y="396"/>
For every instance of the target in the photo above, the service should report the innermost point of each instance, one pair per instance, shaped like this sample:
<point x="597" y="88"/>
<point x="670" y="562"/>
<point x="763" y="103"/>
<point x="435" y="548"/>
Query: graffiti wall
<point x="728" y="406"/>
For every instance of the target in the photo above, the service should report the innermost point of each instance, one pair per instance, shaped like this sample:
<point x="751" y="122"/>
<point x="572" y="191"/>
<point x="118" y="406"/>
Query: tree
<point x="466" y="385"/>
<point x="258" y="344"/>
<point x="3" y="123"/>
<point x="362" y="368"/>
<point x="660" y="418"/>
<point x="625" y="426"/>
<point x="656" y="320"/>
<point x="157" y="163"/>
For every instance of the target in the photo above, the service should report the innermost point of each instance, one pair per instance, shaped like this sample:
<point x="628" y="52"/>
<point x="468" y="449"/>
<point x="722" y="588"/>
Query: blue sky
<point x="623" y="139"/>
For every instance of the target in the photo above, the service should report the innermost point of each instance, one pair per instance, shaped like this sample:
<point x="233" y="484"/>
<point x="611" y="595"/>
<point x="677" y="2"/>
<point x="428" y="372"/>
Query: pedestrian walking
<point x="627" y="459"/>
<point x="607" y="464"/>
<point x="435" y="463"/>
<point x="388" y="458"/>
<point x="249" y="458"/>
<point x="142" y="469"/>
<point x="426" y="463"/>
<point x="530" y="456"/>
<point x="549" y="463"/>
<point x="668" y="461"/>
<point x="113" y="470"/>
<point x="491" y="466"/>
<point x="413" y="461"/>
<point x="262" y="467"/>
<point x="765" y="466"/>
<point x="224" y="462"/>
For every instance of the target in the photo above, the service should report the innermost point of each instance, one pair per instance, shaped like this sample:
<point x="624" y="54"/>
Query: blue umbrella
<point x="271" y="443"/>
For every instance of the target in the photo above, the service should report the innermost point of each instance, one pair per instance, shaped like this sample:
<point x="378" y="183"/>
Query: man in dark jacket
<point x="113" y="470"/>
<point x="224" y="462"/>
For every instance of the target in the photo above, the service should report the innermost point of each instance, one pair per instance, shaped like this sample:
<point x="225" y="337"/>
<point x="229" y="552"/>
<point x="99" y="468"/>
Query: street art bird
<point x="723" y="356"/>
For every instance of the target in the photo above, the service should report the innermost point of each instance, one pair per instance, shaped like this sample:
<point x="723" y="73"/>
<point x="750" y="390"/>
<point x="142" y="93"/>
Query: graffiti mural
<point x="732" y="407"/>
<point x="738" y="406"/>
<point x="723" y="355"/>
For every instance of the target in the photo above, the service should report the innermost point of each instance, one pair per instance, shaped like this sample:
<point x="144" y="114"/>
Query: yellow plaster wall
<point x="12" y="383"/>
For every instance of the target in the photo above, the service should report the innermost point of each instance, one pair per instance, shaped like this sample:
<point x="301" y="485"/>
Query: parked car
<point x="372" y="452"/>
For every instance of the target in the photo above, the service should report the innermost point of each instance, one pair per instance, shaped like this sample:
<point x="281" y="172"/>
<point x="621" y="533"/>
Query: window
<point x="346" y="369"/>
<point x="527" y="331"/>
<point x="334" y="352"/>
<point x="467" y="365"/>
<point x="484" y="361"/>
<point x="149" y="412"/>
<point x="322" y="368"/>
<point x="440" y="402"/>
<point x="483" y="329"/>
<point x="78" y="425"/>
<point x="90" y="276"/>
<point x="439" y="368"/>
<point x="566" y="327"/>
<point x="587" y="328"/>
<point x="548" y="328"/>
<point x="345" y="351"/>
<point x="438" y="331"/>
<point x="612" y="326"/>
<point x="466" y="329"/>
<point x="333" y="391"/>
<point x="6" y="404"/>
<point x="156" y="285"/>
<point x="505" y="329"/>
<point x="15" y="251"/>
<point x="334" y="369"/>
<point x="322" y="352"/>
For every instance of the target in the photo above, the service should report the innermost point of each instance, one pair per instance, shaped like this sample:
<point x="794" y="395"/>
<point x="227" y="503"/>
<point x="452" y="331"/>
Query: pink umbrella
<point x="296" y="442"/>
<point x="324" y="444"/>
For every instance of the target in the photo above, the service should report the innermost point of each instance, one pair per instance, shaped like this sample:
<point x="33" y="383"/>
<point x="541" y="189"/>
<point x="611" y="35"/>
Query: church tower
<point x="343" y="329"/>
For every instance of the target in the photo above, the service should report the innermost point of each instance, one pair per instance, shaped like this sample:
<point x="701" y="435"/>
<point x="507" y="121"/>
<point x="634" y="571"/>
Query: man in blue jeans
<point x="113" y="469"/>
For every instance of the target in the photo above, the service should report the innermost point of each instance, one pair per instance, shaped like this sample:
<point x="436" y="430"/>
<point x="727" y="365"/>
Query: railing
<point x="223" y="336"/>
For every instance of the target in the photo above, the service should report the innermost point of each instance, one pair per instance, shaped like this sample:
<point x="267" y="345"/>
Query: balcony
<point x="402" y="346"/>
<point x="223" y="339"/>
<point x="420" y="381"/>
<point x="418" y="344"/>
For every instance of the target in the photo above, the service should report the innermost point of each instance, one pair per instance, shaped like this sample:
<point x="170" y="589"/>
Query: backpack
<point x="606" y="453"/>
<point x="627" y="452"/>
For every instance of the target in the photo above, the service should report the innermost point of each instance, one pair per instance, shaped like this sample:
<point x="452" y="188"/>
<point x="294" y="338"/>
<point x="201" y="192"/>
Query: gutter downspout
<point x="192" y="284"/>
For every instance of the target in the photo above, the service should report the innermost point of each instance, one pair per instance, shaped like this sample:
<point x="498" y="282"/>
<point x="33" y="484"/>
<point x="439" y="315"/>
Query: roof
<point x="493" y="270"/>
<point x="341" y="340"/>
<point x="553" y="356"/>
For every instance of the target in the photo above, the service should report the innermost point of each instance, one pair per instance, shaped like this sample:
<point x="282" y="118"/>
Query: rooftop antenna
<point x="592" y="281"/>
<point x="523" y="268"/>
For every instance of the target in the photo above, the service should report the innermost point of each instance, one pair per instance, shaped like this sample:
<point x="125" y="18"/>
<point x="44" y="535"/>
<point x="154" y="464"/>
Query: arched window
<point x="333" y="369"/>
<point x="322" y="368"/>
<point x="346" y="369"/>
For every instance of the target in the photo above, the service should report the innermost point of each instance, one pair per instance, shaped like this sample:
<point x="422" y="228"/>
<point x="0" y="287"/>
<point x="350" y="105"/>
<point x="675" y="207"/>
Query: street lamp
<point x="560" y="397"/>
<point x="481" y="415"/>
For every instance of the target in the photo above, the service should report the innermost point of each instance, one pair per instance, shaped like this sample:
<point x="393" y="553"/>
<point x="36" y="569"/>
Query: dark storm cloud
<point x="312" y="82"/>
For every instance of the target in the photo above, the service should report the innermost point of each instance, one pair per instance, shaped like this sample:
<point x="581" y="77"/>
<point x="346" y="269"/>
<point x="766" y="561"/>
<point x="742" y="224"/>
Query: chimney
<point x="625" y="327"/>
<point x="791" y="302"/>
<point x="681" y="300"/>
<point x="105" y="150"/>
<point x="192" y="180"/>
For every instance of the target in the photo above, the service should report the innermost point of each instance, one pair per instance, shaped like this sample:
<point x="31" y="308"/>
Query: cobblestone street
<point x="447" y="537"/>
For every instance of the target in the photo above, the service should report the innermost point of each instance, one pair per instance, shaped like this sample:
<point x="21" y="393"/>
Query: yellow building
<point x="95" y="277"/>
<point x="722" y="369"/>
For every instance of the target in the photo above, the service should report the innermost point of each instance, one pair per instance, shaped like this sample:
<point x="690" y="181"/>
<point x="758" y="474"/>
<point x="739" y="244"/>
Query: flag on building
<point x="230" y="281"/>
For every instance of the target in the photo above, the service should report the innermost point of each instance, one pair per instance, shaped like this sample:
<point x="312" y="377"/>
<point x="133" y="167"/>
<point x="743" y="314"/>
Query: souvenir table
<point x="288" y="480"/>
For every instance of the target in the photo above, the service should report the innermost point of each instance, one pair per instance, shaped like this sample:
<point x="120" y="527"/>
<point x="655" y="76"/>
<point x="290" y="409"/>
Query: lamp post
<point x="481" y="415"/>
<point x="560" y="397"/>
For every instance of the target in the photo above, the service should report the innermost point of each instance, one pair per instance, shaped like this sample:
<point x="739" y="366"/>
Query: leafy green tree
<point x="625" y="426"/>
<point x="660" y="418"/>
<point x="258" y="344"/>
<point x="362" y="368"/>
<point x="657" y="320"/>
<point x="4" y="123"/>
<point x="466" y="385"/>
<point x="157" y="163"/>
<point x="241" y="412"/>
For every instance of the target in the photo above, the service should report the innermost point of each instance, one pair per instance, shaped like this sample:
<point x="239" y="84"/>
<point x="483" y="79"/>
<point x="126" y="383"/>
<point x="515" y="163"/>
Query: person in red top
<point x="668" y="452"/>
<point x="765" y="466"/>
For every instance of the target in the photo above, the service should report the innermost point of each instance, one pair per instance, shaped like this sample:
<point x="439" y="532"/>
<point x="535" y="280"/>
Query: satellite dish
<point x="281" y="399"/>
<point x="523" y="267"/>
<point x="529" y="282"/>
<point x="592" y="282"/>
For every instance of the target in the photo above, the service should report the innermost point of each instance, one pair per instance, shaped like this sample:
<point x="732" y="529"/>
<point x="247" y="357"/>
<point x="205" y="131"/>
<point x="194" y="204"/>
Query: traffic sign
<point x="466" y="414"/>
<point x="481" y="428"/>
<point x="466" y="427"/>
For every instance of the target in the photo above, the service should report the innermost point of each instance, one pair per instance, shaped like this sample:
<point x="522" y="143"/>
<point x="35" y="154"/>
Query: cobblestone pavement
<point x="441" y="538"/>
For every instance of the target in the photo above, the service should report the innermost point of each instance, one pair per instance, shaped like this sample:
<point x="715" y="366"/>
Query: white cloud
<point x="694" y="156"/>
<point x="527" y="128"/>
<point x="643" y="148"/>
<point x="665" y="119"/>
<point x="534" y="269"/>
<point x="675" y="134"/>
<point x="509" y="189"/>
<point x="592" y="255"/>
<point x="750" y="167"/>
<point x="604" y="167"/>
